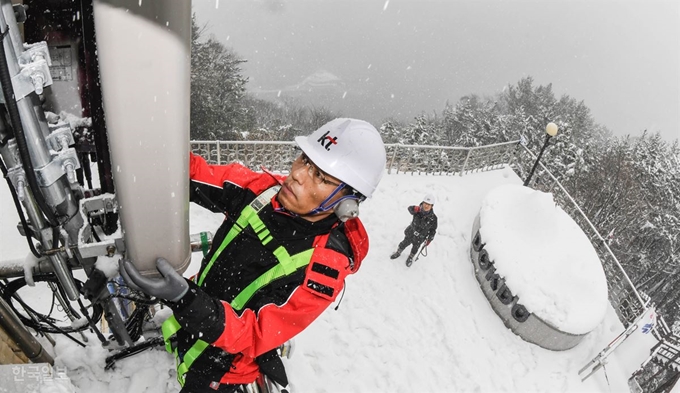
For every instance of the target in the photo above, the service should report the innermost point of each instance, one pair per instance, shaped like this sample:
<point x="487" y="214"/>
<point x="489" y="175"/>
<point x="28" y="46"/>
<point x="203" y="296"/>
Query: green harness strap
<point x="287" y="265"/>
<point x="169" y="328"/>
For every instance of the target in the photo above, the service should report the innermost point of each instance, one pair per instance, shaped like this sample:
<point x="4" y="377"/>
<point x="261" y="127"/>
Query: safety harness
<point x="287" y="264"/>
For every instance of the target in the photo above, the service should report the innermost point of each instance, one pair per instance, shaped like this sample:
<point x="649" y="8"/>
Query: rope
<point x="606" y="377"/>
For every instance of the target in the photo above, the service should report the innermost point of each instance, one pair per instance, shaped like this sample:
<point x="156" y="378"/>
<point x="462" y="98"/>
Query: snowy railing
<point x="447" y="160"/>
<point x="414" y="159"/>
<point x="275" y="156"/>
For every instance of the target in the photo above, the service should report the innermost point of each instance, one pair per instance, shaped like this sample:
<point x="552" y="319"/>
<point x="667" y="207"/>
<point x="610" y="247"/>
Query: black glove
<point x="172" y="286"/>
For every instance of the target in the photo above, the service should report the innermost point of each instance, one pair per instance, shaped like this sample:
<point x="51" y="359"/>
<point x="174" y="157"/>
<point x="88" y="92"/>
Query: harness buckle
<point x="263" y="199"/>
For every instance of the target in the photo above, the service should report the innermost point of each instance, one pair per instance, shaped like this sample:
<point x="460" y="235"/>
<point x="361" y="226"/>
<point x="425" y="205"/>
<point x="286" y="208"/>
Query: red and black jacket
<point x="276" y="312"/>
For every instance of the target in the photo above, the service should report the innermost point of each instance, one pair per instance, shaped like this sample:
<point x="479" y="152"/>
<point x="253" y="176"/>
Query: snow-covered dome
<point x="545" y="257"/>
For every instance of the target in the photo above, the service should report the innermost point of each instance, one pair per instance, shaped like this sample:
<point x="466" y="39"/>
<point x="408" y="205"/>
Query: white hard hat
<point x="430" y="199"/>
<point x="348" y="149"/>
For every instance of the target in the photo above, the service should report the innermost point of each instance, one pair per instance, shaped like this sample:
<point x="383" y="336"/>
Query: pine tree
<point x="217" y="90"/>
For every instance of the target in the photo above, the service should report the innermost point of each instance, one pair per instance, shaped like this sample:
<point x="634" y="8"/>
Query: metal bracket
<point x="18" y="178"/>
<point x="34" y="62"/>
<point x="98" y="205"/>
<point x="61" y="138"/>
<point x="35" y="52"/>
<point x="65" y="161"/>
<point x="32" y="77"/>
<point x="19" y="12"/>
<point x="16" y="172"/>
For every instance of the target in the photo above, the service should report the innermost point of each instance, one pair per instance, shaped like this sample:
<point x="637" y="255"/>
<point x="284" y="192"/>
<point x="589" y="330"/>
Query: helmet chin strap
<point x="326" y="205"/>
<point x="346" y="207"/>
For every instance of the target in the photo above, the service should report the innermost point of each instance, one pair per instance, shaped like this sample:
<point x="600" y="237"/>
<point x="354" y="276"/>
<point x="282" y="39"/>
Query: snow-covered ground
<point x="427" y="328"/>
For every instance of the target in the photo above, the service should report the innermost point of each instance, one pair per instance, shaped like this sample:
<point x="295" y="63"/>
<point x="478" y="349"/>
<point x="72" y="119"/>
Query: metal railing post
<point x="219" y="152"/>
<point x="394" y="154"/>
<point x="467" y="157"/>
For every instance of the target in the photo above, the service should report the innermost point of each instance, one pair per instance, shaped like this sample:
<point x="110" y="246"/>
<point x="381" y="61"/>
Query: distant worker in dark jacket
<point x="422" y="228"/>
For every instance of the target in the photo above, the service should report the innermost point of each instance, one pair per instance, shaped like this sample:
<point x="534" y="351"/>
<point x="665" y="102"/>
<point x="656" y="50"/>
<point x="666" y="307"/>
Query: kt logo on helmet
<point x="326" y="141"/>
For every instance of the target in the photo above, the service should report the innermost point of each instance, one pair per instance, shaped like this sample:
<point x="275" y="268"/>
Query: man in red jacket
<point x="277" y="262"/>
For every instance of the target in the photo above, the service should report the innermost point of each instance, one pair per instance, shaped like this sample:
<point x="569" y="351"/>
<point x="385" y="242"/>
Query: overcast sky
<point x="375" y="59"/>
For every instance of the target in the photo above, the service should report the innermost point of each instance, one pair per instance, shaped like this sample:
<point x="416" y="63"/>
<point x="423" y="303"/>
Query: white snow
<point x="561" y="279"/>
<point x="108" y="265"/>
<point x="427" y="328"/>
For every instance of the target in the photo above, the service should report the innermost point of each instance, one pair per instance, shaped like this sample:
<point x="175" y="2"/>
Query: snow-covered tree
<point x="217" y="90"/>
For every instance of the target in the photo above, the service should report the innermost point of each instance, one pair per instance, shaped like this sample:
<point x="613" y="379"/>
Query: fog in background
<point x="398" y="58"/>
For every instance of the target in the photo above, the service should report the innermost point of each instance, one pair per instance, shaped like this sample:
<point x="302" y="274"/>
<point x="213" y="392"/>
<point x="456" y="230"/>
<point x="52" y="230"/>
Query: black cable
<point x="3" y="285"/>
<point x="133" y="350"/>
<point x="136" y="299"/>
<point x="6" y="133"/>
<point x="93" y="324"/>
<point x="54" y="298"/>
<point x="9" y="293"/>
<point x="59" y="330"/>
<point x="95" y="235"/>
<point x="135" y="323"/>
<point x="47" y="320"/>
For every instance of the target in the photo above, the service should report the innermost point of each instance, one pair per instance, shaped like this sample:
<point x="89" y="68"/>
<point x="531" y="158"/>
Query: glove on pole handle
<point x="171" y="286"/>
